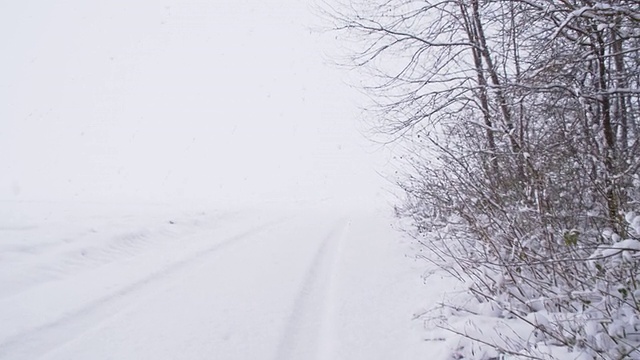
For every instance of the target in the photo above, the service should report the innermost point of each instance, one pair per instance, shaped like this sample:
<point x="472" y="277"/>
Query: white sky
<point x="170" y="99"/>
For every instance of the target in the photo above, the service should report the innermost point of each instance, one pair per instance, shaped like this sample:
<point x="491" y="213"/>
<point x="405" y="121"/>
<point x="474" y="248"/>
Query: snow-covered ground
<point x="124" y="281"/>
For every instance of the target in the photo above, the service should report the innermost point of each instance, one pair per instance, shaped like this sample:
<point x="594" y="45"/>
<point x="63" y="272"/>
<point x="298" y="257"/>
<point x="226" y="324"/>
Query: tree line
<point x="521" y="124"/>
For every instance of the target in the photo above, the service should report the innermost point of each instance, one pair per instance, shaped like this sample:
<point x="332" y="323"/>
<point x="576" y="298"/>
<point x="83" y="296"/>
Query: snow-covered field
<point x="124" y="281"/>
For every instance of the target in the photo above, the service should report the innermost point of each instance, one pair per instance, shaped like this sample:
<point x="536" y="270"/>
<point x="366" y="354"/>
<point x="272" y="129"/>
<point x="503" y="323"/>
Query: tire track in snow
<point x="38" y="341"/>
<point x="308" y="331"/>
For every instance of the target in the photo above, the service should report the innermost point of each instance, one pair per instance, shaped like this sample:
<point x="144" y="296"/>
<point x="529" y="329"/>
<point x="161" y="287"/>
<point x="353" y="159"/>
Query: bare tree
<point x="522" y="119"/>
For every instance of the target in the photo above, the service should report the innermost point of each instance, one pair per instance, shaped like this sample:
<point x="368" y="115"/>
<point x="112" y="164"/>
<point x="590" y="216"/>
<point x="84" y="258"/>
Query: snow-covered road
<point x="295" y="283"/>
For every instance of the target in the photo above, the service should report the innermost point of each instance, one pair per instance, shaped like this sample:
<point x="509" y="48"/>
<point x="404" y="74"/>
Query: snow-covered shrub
<point x="549" y="291"/>
<point x="552" y="269"/>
